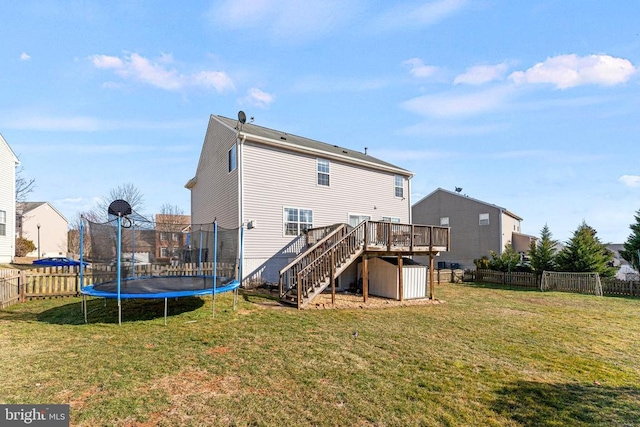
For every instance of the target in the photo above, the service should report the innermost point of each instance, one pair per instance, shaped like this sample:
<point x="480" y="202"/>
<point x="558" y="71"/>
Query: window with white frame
<point x="297" y="220"/>
<point x="163" y="236"/>
<point x="399" y="186"/>
<point x="164" y="252"/>
<point x="233" y="158"/>
<point x="390" y="219"/>
<point x="323" y="168"/>
<point x="174" y="237"/>
<point x="444" y="221"/>
<point x="484" y="219"/>
<point x="3" y="223"/>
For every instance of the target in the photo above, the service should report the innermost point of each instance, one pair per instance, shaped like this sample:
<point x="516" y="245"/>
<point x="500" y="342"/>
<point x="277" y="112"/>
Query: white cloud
<point x="158" y="74"/>
<point x="455" y="104"/>
<point x="418" y="69"/>
<point x="26" y="120"/>
<point x="419" y="15"/>
<point x="259" y="98"/>
<point x="481" y="74"/>
<point x="565" y="71"/>
<point x="25" y="56"/>
<point x="290" y="20"/>
<point x="452" y="129"/>
<point x="630" y="180"/>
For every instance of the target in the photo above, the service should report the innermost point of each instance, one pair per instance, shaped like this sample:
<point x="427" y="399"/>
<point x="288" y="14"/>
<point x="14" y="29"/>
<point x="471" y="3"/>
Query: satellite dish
<point x="120" y="208"/>
<point x="242" y="117"/>
<point x="458" y="189"/>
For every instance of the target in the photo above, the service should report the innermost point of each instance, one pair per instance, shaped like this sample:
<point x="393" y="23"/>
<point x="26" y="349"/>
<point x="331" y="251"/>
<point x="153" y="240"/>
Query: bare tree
<point x="127" y="192"/>
<point x="24" y="186"/>
<point x="171" y="225"/>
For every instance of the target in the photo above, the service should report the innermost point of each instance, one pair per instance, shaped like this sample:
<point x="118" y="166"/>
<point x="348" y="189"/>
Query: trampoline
<point x="127" y="239"/>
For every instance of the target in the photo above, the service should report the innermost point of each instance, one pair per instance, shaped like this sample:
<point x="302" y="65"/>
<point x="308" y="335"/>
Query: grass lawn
<point x="486" y="357"/>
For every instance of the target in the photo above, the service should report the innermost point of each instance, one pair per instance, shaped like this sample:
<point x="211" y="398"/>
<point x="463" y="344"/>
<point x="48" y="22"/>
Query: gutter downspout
<point x="240" y="144"/>
<point x="409" y="200"/>
<point x="501" y="230"/>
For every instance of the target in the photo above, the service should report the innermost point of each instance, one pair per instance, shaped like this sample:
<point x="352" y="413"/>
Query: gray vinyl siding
<point x="215" y="194"/>
<point x="274" y="179"/>
<point x="7" y="201"/>
<point x="469" y="240"/>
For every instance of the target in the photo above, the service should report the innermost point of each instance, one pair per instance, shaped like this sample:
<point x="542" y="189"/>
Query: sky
<point x="533" y="106"/>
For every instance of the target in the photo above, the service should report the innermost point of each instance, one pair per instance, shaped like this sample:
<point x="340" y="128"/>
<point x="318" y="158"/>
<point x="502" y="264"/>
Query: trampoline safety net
<point x="168" y="246"/>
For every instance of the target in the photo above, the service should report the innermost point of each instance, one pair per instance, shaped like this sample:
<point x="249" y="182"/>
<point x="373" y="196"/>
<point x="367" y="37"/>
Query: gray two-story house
<point x="477" y="227"/>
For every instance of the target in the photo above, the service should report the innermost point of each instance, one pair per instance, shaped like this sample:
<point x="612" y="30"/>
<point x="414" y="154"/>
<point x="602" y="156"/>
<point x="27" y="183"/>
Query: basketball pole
<point x="119" y="254"/>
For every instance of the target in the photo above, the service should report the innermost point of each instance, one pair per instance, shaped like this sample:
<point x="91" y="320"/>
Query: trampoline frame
<point x="229" y="286"/>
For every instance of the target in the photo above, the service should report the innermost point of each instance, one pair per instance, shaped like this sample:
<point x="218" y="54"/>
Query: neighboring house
<point x="171" y="235"/>
<point x="45" y="226"/>
<point x="477" y="227"/>
<point x="279" y="185"/>
<point x="625" y="270"/>
<point x="8" y="163"/>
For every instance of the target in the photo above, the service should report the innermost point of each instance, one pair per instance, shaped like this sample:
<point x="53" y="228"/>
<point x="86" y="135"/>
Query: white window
<point x="3" y="223"/>
<point x="233" y="158"/>
<point x="355" y="219"/>
<point x="399" y="186"/>
<point x="323" y="167"/>
<point x="163" y="236"/>
<point x="390" y="219"/>
<point x="297" y="220"/>
<point x="174" y="237"/>
<point x="484" y="219"/>
<point x="444" y="221"/>
<point x="164" y="252"/>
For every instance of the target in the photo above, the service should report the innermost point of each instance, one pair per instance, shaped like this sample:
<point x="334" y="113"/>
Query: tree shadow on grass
<point x="106" y="310"/>
<point x="540" y="404"/>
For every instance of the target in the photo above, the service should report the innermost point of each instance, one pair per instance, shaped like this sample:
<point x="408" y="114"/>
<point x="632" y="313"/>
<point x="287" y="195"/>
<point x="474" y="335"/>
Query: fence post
<point x="21" y="284"/>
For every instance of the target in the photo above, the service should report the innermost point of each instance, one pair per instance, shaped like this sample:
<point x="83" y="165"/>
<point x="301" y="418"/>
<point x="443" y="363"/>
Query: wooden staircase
<point x="315" y="269"/>
<point x="335" y="247"/>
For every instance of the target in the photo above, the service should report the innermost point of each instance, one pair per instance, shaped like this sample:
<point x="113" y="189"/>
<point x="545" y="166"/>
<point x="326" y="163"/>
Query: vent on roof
<point x="283" y="138"/>
<point x="344" y="151"/>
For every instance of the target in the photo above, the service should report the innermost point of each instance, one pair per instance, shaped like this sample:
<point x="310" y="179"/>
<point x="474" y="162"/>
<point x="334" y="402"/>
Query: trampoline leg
<point x="235" y="298"/>
<point x="165" y="312"/>
<point x="119" y="313"/>
<point x="84" y="307"/>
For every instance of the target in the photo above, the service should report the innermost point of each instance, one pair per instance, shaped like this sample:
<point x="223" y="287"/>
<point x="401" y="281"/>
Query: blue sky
<point x="530" y="105"/>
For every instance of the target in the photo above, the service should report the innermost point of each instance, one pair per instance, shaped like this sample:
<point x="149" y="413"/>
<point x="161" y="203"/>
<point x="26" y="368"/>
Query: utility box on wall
<point x="383" y="278"/>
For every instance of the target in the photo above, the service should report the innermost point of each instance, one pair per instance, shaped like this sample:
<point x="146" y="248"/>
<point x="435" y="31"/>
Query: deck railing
<point x="310" y="275"/>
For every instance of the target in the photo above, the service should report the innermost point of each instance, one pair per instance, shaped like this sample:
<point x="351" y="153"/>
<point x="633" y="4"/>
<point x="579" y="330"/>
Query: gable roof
<point x="292" y="142"/>
<point x="29" y="206"/>
<point x="11" y="153"/>
<point x="504" y="210"/>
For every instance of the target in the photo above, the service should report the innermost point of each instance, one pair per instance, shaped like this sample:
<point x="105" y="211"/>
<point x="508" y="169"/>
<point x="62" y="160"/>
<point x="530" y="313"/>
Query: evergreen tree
<point x="542" y="252"/>
<point x="507" y="261"/>
<point x="631" y="250"/>
<point x="585" y="253"/>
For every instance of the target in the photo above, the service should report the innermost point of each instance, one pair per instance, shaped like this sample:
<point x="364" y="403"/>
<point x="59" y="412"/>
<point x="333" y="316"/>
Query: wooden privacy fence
<point x="515" y="278"/>
<point x="49" y="282"/>
<point x="610" y="286"/>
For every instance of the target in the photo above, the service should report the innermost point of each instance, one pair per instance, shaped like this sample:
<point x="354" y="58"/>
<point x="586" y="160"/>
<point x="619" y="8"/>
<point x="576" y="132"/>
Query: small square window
<point x="484" y="219"/>
<point x="444" y="221"/>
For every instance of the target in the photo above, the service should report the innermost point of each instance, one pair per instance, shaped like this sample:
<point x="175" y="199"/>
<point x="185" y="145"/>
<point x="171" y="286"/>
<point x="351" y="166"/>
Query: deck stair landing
<point x="338" y="246"/>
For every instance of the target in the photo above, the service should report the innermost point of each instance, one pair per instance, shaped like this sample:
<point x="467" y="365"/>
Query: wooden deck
<point x="332" y="249"/>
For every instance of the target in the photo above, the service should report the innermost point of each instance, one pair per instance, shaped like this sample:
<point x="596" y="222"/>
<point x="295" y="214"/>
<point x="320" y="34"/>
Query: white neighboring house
<point x="8" y="163"/>
<point x="45" y="226"/>
<point x="278" y="185"/>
